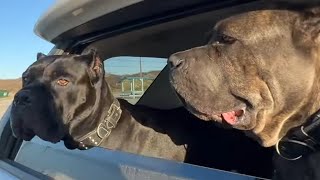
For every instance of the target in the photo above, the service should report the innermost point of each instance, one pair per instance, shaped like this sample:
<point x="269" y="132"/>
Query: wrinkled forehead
<point x="262" y="22"/>
<point x="65" y="66"/>
<point x="37" y="68"/>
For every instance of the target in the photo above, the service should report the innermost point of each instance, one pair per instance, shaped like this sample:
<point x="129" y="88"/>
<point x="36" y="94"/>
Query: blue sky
<point x="19" y="45"/>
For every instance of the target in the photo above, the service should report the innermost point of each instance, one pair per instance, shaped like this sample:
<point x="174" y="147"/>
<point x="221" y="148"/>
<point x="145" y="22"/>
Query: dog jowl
<point x="259" y="73"/>
<point x="47" y="105"/>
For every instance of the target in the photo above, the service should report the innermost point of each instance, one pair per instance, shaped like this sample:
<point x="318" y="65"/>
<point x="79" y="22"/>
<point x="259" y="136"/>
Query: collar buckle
<point x="103" y="131"/>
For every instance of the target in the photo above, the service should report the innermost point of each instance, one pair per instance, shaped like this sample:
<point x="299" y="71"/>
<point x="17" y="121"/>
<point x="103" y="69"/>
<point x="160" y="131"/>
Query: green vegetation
<point x="4" y="93"/>
<point x="114" y="81"/>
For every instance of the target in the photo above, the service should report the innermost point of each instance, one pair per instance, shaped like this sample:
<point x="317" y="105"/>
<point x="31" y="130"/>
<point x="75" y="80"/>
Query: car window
<point x="129" y="77"/>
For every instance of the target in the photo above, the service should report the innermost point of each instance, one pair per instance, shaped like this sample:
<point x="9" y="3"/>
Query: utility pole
<point x="141" y="79"/>
<point x="140" y="68"/>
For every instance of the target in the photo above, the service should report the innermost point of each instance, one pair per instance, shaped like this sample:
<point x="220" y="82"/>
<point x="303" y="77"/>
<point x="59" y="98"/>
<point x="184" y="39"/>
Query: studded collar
<point x="103" y="131"/>
<point x="301" y="141"/>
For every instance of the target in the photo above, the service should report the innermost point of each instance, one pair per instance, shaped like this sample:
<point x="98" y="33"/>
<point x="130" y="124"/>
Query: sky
<point x="19" y="45"/>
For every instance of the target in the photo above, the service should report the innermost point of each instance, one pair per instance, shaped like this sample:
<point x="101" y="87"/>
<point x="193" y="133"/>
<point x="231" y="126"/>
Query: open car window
<point x="129" y="77"/>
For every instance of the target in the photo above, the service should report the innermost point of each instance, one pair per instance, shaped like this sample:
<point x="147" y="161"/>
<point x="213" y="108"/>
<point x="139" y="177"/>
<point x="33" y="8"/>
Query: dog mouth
<point x="52" y="139"/>
<point x="236" y="117"/>
<point x="28" y="135"/>
<point x="19" y="130"/>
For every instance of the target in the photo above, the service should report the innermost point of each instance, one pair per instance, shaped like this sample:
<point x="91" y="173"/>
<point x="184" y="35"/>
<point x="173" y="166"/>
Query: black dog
<point x="67" y="98"/>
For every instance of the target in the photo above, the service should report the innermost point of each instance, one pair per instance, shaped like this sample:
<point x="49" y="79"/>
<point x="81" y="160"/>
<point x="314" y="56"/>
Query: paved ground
<point x="4" y="103"/>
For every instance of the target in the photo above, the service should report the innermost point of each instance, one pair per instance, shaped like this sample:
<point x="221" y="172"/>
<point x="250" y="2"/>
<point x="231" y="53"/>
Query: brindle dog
<point x="66" y="98"/>
<point x="259" y="73"/>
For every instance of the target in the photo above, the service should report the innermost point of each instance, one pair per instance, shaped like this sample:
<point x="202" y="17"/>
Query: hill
<point x="13" y="85"/>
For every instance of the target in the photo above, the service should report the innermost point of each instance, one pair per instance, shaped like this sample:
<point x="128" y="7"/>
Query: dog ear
<point x="307" y="28"/>
<point x="40" y="55"/>
<point x="95" y="65"/>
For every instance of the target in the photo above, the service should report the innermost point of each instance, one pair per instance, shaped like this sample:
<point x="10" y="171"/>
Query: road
<point x="4" y="103"/>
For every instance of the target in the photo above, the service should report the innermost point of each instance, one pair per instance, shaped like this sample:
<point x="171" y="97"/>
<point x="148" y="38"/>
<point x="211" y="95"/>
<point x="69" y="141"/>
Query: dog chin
<point x="51" y="138"/>
<point x="28" y="137"/>
<point x="69" y="142"/>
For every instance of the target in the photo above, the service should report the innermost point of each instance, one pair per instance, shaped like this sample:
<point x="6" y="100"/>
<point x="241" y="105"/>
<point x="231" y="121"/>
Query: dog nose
<point x="22" y="98"/>
<point x="175" y="61"/>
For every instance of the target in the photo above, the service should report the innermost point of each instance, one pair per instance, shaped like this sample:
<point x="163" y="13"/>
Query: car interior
<point x="160" y="40"/>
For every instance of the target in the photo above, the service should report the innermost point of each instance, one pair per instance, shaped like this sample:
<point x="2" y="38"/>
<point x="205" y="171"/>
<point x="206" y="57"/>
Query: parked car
<point x="134" y="37"/>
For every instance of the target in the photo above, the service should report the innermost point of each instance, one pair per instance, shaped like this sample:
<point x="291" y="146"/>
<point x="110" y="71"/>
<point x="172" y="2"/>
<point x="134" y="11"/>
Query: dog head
<point x="259" y="72"/>
<point x="60" y="98"/>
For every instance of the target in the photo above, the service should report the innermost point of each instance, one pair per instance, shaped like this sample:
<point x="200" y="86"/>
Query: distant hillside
<point x="13" y="85"/>
<point x="150" y="74"/>
<point x="114" y="81"/>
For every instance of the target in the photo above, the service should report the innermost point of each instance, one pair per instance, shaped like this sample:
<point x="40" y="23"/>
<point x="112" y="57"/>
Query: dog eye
<point x="25" y="79"/>
<point x="225" y="39"/>
<point x="62" y="82"/>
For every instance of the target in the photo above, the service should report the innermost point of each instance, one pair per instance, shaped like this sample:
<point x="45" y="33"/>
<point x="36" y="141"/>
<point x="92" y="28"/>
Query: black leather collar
<point x="301" y="141"/>
<point x="102" y="132"/>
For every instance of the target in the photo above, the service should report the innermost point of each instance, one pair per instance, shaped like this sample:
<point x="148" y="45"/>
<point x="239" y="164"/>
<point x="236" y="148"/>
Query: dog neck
<point x="104" y="117"/>
<point x="118" y="125"/>
<point x="302" y="140"/>
<point x="302" y="137"/>
<point x="104" y="129"/>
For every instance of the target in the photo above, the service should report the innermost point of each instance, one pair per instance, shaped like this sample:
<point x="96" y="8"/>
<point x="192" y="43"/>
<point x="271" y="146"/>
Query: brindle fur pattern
<point x="271" y="68"/>
<point x="266" y="61"/>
